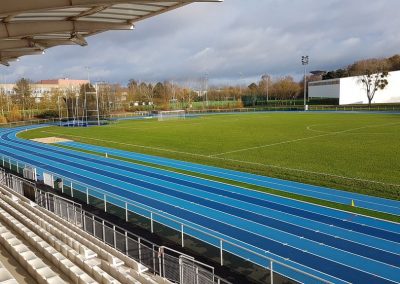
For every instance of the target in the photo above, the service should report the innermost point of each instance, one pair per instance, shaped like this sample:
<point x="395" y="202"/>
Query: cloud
<point x="228" y="41"/>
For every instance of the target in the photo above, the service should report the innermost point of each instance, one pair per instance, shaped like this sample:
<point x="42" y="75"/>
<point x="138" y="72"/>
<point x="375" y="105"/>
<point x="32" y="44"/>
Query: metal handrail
<point x="183" y="224"/>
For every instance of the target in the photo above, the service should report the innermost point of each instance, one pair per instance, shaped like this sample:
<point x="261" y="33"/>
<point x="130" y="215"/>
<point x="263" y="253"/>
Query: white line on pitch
<point x="299" y="139"/>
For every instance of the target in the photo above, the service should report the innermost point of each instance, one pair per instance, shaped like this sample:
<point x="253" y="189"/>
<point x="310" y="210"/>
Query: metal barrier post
<point x="94" y="226"/>
<point x="159" y="261"/>
<point x="151" y="222"/>
<point x="221" y="252"/>
<point x="140" y="251"/>
<point x="154" y="259"/>
<point x="180" y="271"/>
<point x="126" y="211"/>
<point x="182" y="236"/>
<point x="115" y="238"/>
<point x="271" y="270"/>
<point x="84" y="222"/>
<point x="104" y="231"/>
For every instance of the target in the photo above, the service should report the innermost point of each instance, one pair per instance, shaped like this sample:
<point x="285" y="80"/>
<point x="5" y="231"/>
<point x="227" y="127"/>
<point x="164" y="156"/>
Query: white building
<point x="350" y="91"/>
<point x="45" y="87"/>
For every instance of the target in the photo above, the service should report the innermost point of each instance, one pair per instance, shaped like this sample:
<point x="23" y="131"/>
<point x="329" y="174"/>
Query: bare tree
<point x="372" y="82"/>
<point x="23" y="95"/>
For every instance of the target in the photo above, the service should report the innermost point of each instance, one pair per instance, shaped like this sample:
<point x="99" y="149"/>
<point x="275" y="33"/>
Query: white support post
<point x="94" y="226"/>
<point x="126" y="243"/>
<point x="140" y="251"/>
<point x="271" y="270"/>
<point x="87" y="195"/>
<point x="126" y="212"/>
<point x="151" y="222"/>
<point x="221" y="252"/>
<point x="154" y="257"/>
<point x="180" y="270"/>
<point x="115" y="238"/>
<point x="182" y="236"/>
<point x="104" y="231"/>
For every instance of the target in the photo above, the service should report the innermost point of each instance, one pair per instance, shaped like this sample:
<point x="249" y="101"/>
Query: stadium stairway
<point x="52" y="250"/>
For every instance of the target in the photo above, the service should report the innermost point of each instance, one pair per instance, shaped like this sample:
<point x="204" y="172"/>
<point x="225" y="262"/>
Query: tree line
<point x="362" y="67"/>
<point x="24" y="102"/>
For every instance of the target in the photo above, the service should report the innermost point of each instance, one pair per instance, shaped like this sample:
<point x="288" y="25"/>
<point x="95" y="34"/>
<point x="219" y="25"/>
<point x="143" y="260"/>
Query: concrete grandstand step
<point x="43" y="247"/>
<point x="70" y="248"/>
<point x="87" y="242"/>
<point x="5" y="276"/>
<point x="30" y="261"/>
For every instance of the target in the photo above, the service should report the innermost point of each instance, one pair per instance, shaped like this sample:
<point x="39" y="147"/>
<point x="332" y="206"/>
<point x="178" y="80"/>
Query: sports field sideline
<point x="337" y="246"/>
<point x="348" y="151"/>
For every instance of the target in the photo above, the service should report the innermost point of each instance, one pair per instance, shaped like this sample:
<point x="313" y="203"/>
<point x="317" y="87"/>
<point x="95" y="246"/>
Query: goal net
<point x="171" y="115"/>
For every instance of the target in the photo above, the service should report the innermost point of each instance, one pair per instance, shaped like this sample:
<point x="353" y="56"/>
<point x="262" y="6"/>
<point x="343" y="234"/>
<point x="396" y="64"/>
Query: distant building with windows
<point x="44" y="87"/>
<point x="350" y="91"/>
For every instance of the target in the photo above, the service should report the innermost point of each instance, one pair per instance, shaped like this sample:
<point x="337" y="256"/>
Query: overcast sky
<point x="234" y="41"/>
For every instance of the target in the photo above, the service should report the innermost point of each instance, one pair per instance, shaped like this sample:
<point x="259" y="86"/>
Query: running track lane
<point x="332" y="241"/>
<point x="364" y="201"/>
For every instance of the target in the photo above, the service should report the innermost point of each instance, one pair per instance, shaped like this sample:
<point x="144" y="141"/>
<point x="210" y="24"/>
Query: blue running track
<point x="364" y="201"/>
<point x="334" y="245"/>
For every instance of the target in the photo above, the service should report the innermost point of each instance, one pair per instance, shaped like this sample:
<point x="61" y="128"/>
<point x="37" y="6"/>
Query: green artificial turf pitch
<point x="348" y="151"/>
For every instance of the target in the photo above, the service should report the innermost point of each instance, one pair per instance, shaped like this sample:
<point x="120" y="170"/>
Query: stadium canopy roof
<point x="30" y="26"/>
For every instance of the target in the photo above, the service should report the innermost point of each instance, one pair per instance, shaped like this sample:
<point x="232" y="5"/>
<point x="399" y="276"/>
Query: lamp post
<point x="97" y="103"/>
<point x="304" y="62"/>
<point x="206" y="87"/>
<point x="266" y="79"/>
<point x="85" y="102"/>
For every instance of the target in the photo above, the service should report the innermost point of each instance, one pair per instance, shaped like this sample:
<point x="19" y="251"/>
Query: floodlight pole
<point x="86" y="112"/>
<point x="97" y="102"/>
<point x="266" y="77"/>
<point x="59" y="109"/>
<point x="304" y="62"/>
<point x="206" y="87"/>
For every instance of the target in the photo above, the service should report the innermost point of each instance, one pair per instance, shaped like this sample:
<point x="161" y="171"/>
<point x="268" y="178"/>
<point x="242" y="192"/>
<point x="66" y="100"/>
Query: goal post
<point x="171" y="115"/>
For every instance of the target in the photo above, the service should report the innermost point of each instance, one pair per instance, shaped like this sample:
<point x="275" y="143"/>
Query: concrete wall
<point x="324" y="89"/>
<point x="353" y="92"/>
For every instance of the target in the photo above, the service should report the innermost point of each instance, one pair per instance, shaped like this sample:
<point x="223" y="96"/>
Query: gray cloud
<point x="227" y="41"/>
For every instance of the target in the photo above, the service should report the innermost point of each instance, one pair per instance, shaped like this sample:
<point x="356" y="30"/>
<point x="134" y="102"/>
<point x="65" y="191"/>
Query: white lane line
<point x="127" y="144"/>
<point x="229" y="159"/>
<point x="300" y="139"/>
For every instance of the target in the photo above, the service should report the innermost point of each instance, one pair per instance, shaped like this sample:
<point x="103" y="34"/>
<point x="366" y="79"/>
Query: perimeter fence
<point x="148" y="114"/>
<point x="158" y="260"/>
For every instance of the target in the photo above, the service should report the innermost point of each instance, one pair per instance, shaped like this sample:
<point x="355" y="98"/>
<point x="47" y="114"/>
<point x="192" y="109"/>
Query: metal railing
<point x="163" y="261"/>
<point x="269" y="261"/>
